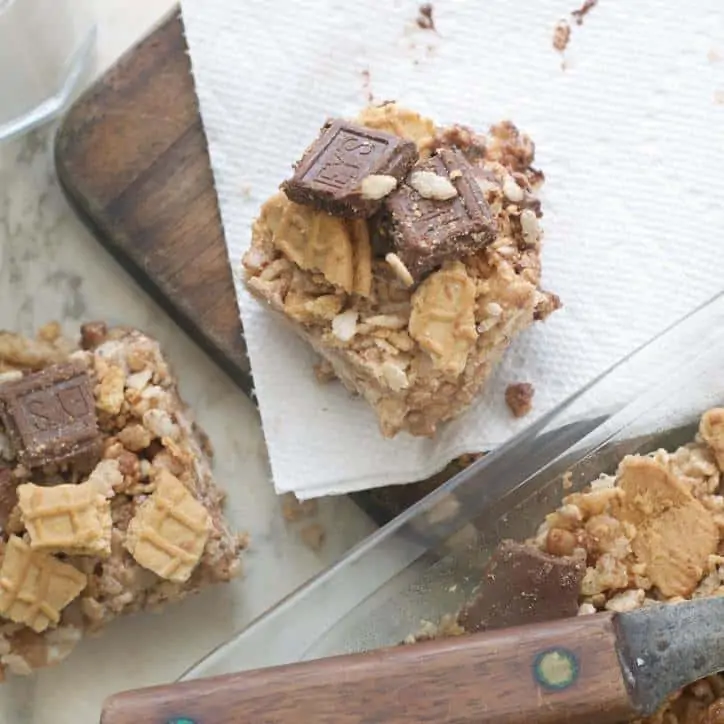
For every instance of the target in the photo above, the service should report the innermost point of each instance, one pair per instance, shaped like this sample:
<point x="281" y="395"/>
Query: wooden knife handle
<point x="563" y="671"/>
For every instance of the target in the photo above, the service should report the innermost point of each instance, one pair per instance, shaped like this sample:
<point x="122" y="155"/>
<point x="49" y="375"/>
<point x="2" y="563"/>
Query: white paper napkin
<point x="629" y="135"/>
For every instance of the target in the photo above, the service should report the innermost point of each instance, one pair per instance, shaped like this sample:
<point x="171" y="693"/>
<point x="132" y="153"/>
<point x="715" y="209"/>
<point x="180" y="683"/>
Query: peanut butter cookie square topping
<point x="74" y="519"/>
<point x="169" y="531"/>
<point x="35" y="587"/>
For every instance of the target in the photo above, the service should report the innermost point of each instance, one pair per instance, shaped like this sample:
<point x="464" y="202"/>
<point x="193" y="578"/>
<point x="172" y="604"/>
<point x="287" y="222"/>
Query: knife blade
<point x="595" y="669"/>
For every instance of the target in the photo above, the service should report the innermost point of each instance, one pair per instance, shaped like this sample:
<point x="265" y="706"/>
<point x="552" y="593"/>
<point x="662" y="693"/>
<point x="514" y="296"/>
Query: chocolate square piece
<point x="50" y="415"/>
<point x="424" y="231"/>
<point x="524" y="585"/>
<point x="329" y="177"/>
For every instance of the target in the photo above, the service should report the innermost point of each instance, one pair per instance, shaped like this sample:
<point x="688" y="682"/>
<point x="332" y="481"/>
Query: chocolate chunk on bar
<point x="522" y="585"/>
<point x="334" y="173"/>
<point x="50" y="416"/>
<point x="438" y="213"/>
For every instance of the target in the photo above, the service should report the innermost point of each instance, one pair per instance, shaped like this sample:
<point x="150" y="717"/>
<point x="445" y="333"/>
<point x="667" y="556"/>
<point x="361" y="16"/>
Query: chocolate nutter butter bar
<point x="522" y="584"/>
<point x="50" y="415"/>
<point x="424" y="232"/>
<point x="330" y="174"/>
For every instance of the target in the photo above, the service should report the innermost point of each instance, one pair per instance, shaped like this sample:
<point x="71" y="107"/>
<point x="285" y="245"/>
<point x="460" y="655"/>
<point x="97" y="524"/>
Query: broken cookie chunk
<point x="438" y="213"/>
<point x="50" y="415"/>
<point x="522" y="585"/>
<point x="169" y="531"/>
<point x="314" y="240"/>
<point x="72" y="519"/>
<point x="35" y="587"/>
<point x="340" y="173"/>
<point x="675" y="533"/>
<point x="443" y="320"/>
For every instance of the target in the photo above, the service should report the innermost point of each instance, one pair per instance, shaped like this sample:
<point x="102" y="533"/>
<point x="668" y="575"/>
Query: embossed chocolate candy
<point x="423" y="228"/>
<point x="331" y="173"/>
<point x="524" y="585"/>
<point x="50" y="416"/>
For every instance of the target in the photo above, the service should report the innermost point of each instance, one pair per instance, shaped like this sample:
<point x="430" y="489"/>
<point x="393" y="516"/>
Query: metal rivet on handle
<point x="555" y="669"/>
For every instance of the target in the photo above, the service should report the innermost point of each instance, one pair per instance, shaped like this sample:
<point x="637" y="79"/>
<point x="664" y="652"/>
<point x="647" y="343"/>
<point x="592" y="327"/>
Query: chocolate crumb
<point x="581" y="13"/>
<point x="424" y="17"/>
<point x="313" y="536"/>
<point x="547" y="306"/>
<point x="561" y="35"/>
<point x="93" y="334"/>
<point x="519" y="398"/>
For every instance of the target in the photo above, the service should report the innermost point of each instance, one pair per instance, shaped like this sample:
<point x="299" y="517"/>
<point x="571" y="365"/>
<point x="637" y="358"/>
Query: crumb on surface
<point x="367" y="85"/>
<point x="519" y="398"/>
<point x="561" y="35"/>
<point x="581" y="12"/>
<point x="424" y="19"/>
<point x="313" y="536"/>
<point x="294" y="509"/>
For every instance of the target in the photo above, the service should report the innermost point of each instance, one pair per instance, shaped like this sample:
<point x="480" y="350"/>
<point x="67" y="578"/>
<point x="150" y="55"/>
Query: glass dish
<point x="45" y="48"/>
<point x="426" y="562"/>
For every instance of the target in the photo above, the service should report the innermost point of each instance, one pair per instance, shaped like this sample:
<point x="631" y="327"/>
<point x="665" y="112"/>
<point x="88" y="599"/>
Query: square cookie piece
<point x="35" y="587"/>
<point x="438" y="213"/>
<point x="72" y="519"/>
<point x="50" y="415"/>
<point x="168" y="533"/>
<point x="349" y="168"/>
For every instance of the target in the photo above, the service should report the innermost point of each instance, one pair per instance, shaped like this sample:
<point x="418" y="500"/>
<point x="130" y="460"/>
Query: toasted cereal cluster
<point x="107" y="503"/>
<point x="414" y="329"/>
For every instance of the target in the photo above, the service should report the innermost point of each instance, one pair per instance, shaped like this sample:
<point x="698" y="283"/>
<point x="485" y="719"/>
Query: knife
<point x="599" y="668"/>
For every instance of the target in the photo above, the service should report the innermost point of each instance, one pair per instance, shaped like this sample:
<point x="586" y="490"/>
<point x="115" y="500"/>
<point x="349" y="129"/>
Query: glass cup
<point x="45" y="47"/>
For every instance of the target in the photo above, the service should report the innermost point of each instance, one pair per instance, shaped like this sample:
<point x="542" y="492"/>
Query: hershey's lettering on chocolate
<point x="330" y="174"/>
<point x="522" y="585"/>
<point x="425" y="232"/>
<point x="50" y="416"/>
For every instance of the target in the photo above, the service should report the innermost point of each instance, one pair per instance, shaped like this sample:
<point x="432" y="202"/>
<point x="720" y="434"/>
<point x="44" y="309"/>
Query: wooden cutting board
<point x="131" y="157"/>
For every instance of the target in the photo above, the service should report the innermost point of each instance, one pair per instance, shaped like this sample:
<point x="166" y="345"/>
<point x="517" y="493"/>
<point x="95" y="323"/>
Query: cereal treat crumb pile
<point x="407" y="256"/>
<point x="653" y="532"/>
<point x="107" y="503"/>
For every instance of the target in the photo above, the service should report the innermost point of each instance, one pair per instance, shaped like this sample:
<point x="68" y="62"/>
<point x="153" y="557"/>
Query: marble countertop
<point x="51" y="267"/>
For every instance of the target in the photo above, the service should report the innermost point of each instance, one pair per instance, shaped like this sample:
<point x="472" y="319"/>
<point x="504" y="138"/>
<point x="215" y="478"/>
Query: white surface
<point x="629" y="136"/>
<point x="51" y="267"/>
